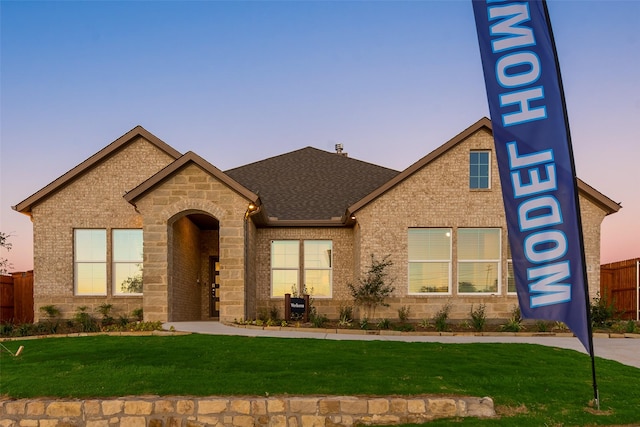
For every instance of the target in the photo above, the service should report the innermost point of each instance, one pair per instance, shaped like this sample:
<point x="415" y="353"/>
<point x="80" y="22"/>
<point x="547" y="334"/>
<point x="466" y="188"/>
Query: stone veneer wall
<point x="316" y="411"/>
<point x="192" y="190"/>
<point x="93" y="200"/>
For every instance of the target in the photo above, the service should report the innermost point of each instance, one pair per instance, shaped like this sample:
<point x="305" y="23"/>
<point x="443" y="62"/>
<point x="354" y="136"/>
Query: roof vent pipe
<point x="339" y="148"/>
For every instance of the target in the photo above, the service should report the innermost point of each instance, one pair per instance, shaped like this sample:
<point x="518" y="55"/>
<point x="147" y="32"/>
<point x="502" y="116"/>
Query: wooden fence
<point x="619" y="283"/>
<point x="16" y="298"/>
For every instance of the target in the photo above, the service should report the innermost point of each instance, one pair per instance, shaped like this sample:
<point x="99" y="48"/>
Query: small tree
<point x="372" y="289"/>
<point x="4" y="262"/>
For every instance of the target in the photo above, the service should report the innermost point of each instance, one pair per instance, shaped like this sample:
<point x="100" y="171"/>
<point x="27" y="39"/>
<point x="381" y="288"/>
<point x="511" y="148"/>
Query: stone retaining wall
<point x="307" y="411"/>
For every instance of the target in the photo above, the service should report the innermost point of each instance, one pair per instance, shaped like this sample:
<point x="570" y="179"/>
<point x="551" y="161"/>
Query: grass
<point x="530" y="384"/>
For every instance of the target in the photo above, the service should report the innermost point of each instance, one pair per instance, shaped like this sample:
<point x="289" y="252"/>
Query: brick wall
<point x="94" y="200"/>
<point x="438" y="195"/>
<point x="343" y="251"/>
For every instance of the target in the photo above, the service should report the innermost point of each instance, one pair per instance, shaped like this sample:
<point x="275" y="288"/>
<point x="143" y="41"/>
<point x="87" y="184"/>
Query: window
<point x="90" y="262"/>
<point x="316" y="268"/>
<point x="479" y="171"/>
<point x="429" y="260"/>
<point x="127" y="262"/>
<point x="285" y="262"/>
<point x="511" y="281"/>
<point x="478" y="260"/>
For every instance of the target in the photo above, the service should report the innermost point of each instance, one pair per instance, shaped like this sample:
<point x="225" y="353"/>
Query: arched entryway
<point x="193" y="262"/>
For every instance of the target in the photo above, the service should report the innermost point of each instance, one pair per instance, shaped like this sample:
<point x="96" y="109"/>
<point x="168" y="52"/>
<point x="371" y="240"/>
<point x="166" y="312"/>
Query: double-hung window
<point x="478" y="260"/>
<point x="479" y="170"/>
<point x="285" y="267"/>
<point x="90" y="261"/>
<point x="309" y="262"/>
<point x="429" y="260"/>
<point x="317" y="267"/>
<point x="127" y="261"/>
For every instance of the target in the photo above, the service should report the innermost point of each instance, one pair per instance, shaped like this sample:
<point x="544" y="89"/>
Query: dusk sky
<point x="238" y="82"/>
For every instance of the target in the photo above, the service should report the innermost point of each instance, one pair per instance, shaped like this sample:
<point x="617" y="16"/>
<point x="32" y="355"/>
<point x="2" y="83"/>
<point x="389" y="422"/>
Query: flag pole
<point x="596" y="394"/>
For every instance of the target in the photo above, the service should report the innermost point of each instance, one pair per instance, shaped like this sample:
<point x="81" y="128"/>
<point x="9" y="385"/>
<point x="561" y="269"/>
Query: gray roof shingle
<point x="310" y="184"/>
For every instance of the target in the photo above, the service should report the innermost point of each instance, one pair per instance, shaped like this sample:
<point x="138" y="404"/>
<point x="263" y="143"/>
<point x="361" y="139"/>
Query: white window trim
<point x="488" y="170"/>
<point x="76" y="263"/>
<point x="497" y="261"/>
<point x="449" y="261"/>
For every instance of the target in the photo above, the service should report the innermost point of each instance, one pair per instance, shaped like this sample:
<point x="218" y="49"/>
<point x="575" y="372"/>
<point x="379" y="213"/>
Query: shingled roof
<point x="310" y="184"/>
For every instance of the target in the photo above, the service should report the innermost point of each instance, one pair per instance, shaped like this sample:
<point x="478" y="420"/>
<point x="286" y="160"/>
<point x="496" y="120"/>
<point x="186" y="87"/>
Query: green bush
<point x="440" y="320"/>
<point x="403" y="313"/>
<point x="86" y="322"/>
<point x="479" y="317"/>
<point x="514" y="324"/>
<point x="384" y="324"/>
<point x="603" y="311"/>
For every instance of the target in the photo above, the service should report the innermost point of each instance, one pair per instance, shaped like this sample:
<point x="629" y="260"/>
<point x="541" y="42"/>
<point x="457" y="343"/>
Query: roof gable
<point x="310" y="184"/>
<point x="606" y="204"/>
<point x="26" y="205"/>
<point x="189" y="158"/>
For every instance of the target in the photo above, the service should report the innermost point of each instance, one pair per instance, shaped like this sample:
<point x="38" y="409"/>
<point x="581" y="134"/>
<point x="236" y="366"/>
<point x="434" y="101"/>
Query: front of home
<point x="140" y="225"/>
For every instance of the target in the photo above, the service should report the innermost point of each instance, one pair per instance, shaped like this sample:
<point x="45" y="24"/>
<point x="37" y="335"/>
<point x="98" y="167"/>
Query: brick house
<point x="227" y="245"/>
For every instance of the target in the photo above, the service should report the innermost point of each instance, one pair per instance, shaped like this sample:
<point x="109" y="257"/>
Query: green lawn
<point x="530" y="384"/>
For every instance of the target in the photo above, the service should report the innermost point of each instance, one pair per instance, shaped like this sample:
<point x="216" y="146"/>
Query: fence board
<point x="6" y="298"/>
<point x="618" y="282"/>
<point x="23" y="297"/>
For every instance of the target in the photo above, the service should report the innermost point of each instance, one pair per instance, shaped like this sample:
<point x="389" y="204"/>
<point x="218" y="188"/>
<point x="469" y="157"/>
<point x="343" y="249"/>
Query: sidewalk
<point x="623" y="350"/>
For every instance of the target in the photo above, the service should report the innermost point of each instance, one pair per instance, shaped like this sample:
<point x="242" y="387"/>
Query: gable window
<point x="127" y="262"/>
<point x="90" y="261"/>
<point x="313" y="269"/>
<point x="479" y="171"/>
<point x="429" y="260"/>
<point x="478" y="260"/>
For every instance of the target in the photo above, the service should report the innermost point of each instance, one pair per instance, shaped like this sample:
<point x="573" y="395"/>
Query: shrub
<point x="364" y="323"/>
<point x="384" y="324"/>
<point x="86" y="322"/>
<point x="403" y="313"/>
<point x="479" y="317"/>
<point x="138" y="314"/>
<point x="274" y="313"/>
<point x="318" y="320"/>
<point x="441" y="318"/>
<point x="603" y="311"/>
<point x="105" y="310"/>
<point x="514" y="324"/>
<point x="346" y="316"/>
<point x="542" y="326"/>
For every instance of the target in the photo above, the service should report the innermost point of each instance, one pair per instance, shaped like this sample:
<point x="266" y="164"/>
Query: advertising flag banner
<point x="535" y="161"/>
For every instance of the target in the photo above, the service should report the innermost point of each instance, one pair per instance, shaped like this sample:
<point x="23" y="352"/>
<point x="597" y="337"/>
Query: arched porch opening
<point x="193" y="265"/>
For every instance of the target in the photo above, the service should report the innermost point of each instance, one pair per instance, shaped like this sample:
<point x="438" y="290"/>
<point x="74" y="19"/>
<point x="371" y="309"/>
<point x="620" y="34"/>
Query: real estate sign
<point x="535" y="161"/>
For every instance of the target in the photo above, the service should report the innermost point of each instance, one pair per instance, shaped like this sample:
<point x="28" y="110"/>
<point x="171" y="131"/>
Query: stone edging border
<point x="241" y="411"/>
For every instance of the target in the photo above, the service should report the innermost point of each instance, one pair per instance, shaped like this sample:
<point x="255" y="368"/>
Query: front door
<point x="214" y="286"/>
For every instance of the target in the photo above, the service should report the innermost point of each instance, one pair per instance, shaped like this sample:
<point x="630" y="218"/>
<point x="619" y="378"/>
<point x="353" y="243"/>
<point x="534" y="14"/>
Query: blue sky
<point x="237" y="82"/>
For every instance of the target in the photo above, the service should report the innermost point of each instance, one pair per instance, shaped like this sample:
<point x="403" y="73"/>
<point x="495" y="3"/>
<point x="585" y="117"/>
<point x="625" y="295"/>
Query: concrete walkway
<point x="623" y="350"/>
